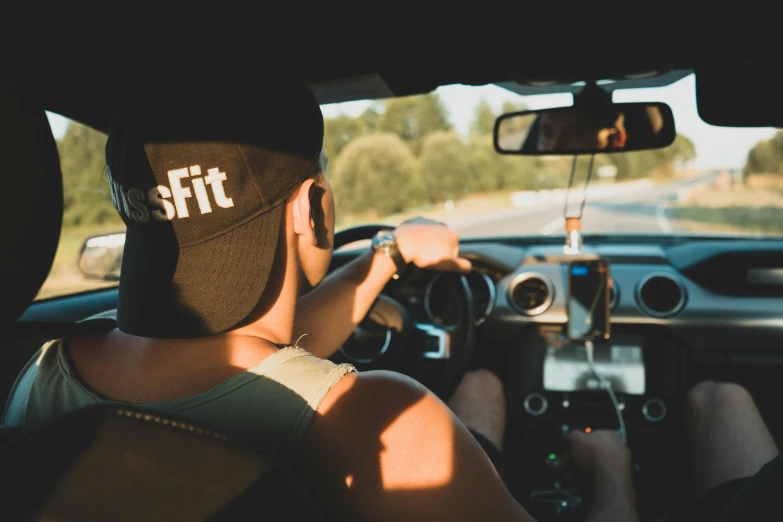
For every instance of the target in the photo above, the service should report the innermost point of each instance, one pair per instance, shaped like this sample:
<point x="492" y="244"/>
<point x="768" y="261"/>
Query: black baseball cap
<point x="199" y="173"/>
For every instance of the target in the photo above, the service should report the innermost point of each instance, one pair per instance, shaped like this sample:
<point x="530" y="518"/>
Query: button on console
<point x="654" y="410"/>
<point x="535" y="404"/>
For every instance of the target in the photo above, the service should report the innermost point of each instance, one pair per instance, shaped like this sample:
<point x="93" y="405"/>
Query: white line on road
<point x="552" y="226"/>
<point x="660" y="216"/>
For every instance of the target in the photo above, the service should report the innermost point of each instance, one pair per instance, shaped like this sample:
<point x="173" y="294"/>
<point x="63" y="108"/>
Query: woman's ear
<point x="304" y="224"/>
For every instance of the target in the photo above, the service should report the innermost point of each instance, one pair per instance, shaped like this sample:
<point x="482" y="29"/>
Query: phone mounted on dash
<point x="588" y="304"/>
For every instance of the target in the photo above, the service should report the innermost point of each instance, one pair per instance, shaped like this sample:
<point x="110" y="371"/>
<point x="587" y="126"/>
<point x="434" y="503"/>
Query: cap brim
<point x="214" y="286"/>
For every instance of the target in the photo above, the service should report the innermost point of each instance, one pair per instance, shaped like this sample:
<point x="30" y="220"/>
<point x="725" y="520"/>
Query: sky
<point x="716" y="147"/>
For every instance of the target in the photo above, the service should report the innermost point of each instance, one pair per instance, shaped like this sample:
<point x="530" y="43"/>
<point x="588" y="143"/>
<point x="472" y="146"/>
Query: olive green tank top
<point x="273" y="402"/>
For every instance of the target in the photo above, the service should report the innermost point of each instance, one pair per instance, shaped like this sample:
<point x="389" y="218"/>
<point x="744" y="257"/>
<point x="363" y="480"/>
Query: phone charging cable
<point x="608" y="387"/>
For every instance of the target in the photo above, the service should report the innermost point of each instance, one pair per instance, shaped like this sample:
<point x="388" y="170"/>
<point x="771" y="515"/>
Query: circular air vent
<point x="614" y="295"/>
<point x="531" y="294"/>
<point x="661" y="295"/>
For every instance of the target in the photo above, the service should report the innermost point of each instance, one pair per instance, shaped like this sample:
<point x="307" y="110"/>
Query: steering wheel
<point x="437" y="355"/>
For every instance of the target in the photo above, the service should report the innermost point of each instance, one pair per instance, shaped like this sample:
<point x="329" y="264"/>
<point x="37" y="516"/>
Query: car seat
<point x="106" y="462"/>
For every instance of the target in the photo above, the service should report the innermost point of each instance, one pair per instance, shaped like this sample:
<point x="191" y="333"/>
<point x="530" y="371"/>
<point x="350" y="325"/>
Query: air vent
<point x="661" y="295"/>
<point x="614" y="295"/>
<point x="531" y="294"/>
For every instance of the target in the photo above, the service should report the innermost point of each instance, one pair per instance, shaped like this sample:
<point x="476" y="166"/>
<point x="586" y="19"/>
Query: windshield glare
<point x="432" y="156"/>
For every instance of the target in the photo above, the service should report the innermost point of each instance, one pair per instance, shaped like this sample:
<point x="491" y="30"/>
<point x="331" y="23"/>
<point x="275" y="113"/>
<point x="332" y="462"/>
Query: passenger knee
<point x="711" y="396"/>
<point x="485" y="380"/>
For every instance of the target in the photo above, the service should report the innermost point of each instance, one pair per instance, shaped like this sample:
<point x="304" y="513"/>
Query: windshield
<point x="432" y="156"/>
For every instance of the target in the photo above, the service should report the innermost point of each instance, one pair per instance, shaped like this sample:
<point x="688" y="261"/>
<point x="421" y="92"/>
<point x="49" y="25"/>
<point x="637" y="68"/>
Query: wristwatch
<point x="385" y="242"/>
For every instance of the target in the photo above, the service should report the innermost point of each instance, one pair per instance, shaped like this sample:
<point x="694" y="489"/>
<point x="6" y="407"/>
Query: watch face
<point x="383" y="239"/>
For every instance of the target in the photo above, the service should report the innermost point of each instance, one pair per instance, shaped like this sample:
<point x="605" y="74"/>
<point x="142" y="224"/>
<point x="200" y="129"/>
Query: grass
<point x="755" y="207"/>
<point x="765" y="220"/>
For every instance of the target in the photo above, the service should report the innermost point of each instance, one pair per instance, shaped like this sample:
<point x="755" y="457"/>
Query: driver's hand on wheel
<point x="432" y="245"/>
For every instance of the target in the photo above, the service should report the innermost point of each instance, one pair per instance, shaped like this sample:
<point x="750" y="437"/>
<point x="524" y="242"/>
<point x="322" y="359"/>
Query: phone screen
<point x="588" y="300"/>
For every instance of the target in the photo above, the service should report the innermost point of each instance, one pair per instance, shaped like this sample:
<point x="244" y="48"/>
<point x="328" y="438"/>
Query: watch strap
<point x="392" y="251"/>
<point x="399" y="261"/>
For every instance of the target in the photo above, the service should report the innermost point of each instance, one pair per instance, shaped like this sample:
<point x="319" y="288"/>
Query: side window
<point x="88" y="209"/>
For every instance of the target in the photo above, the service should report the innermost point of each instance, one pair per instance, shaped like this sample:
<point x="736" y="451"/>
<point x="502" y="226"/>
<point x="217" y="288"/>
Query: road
<point x="644" y="211"/>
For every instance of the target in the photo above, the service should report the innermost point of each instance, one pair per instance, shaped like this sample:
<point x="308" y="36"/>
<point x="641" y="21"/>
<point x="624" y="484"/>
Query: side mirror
<point x="101" y="257"/>
<point x="612" y="127"/>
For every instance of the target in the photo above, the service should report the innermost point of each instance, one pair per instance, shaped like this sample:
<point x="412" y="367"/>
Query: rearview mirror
<point x="101" y="257"/>
<point x="615" y="127"/>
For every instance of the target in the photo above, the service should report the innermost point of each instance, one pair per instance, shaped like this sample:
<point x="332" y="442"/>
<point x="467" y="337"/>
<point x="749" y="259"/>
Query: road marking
<point x="660" y="216"/>
<point x="552" y="226"/>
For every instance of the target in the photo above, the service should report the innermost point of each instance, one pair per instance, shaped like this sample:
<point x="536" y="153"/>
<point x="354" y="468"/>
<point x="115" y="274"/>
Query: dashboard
<point x="714" y="294"/>
<point x="682" y="310"/>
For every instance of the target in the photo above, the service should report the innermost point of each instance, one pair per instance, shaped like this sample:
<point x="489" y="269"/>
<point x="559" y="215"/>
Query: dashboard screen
<point x="620" y="361"/>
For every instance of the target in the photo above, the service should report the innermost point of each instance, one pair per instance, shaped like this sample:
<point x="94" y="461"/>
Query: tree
<point x="484" y="119"/>
<point x="371" y="116"/>
<point x="445" y="167"/>
<point x="683" y="149"/>
<point x="766" y="156"/>
<point x="376" y="175"/>
<point x="413" y="117"/>
<point x="338" y="132"/>
<point x="491" y="171"/>
<point x="86" y="194"/>
<point x="511" y="106"/>
<point x="488" y="168"/>
<point x="660" y="162"/>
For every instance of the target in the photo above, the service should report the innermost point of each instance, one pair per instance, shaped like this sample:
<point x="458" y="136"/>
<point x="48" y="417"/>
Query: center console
<point x="552" y="391"/>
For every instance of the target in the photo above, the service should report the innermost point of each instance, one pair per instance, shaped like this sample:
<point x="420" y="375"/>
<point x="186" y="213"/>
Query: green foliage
<point x="488" y="168"/>
<point x="661" y="162"/>
<point x="338" y="132"/>
<point x="398" y="154"/>
<point x="510" y="106"/>
<point x="86" y="197"/>
<point x="496" y="172"/>
<point x="683" y="149"/>
<point x="402" y="153"/>
<point x="484" y="120"/>
<point x="414" y="117"/>
<point x="766" y="157"/>
<point x="445" y="171"/>
<point x="377" y="175"/>
<point x="370" y="117"/>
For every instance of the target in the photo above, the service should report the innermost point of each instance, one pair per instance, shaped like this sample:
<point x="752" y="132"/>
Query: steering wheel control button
<point x="535" y="404"/>
<point x="434" y="341"/>
<point x="654" y="410"/>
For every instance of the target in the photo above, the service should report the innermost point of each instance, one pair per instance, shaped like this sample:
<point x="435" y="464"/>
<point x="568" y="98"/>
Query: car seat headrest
<point x="32" y="203"/>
